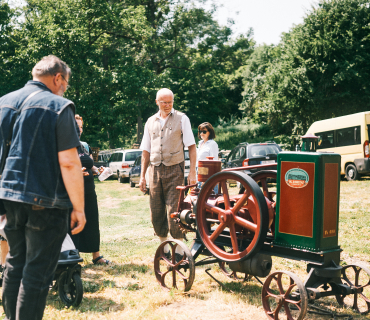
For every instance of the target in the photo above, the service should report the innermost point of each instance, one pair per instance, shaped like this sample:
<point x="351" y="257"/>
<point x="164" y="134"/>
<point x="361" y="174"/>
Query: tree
<point x="209" y="86"/>
<point x="98" y="39"/>
<point x="122" y="51"/>
<point x="321" y="69"/>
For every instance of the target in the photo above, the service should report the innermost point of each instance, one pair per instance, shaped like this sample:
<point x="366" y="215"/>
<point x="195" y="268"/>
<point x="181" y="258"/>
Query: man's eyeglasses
<point x="68" y="86"/>
<point x="203" y="131"/>
<point x="166" y="102"/>
<point x="65" y="81"/>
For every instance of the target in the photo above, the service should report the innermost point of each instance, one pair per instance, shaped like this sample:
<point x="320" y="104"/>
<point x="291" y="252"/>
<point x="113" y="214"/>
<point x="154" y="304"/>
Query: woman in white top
<point x="207" y="146"/>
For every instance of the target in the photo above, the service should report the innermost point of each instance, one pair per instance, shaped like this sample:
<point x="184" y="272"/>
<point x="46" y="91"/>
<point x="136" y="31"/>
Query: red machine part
<point x="246" y="213"/>
<point x="174" y="270"/>
<point x="356" y="276"/>
<point x="263" y="178"/>
<point x="284" y="296"/>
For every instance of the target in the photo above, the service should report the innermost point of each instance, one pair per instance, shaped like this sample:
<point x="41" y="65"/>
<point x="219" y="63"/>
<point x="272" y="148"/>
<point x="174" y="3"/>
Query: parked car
<point x="249" y="154"/>
<point x="120" y="162"/>
<point x="102" y="160"/>
<point x="135" y="174"/>
<point x="222" y="155"/>
<point x="187" y="165"/>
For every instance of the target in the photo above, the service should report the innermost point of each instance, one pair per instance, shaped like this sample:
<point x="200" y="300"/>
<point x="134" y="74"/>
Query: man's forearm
<point x="145" y="159"/>
<point x="192" y="157"/>
<point x="71" y="170"/>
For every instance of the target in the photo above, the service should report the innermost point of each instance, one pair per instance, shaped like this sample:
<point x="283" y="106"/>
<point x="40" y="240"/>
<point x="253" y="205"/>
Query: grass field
<point x="127" y="288"/>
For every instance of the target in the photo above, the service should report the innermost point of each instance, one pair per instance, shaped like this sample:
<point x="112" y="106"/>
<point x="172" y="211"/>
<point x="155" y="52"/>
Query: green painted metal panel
<point x="307" y="206"/>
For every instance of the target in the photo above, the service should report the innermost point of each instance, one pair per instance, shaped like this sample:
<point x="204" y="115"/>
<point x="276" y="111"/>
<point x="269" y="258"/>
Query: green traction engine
<point x="240" y="222"/>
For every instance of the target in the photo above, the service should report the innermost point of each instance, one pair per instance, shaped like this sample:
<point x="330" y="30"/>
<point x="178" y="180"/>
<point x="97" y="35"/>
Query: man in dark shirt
<point x="41" y="179"/>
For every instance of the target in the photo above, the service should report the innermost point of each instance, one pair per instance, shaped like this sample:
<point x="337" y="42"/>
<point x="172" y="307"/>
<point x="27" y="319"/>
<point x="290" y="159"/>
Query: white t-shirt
<point x="187" y="133"/>
<point x="207" y="149"/>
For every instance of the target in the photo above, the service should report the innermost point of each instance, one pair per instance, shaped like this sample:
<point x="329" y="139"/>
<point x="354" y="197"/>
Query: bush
<point x="231" y="133"/>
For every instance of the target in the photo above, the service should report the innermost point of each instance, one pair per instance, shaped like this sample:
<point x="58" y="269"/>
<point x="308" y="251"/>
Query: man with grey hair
<point x="41" y="178"/>
<point x="165" y="135"/>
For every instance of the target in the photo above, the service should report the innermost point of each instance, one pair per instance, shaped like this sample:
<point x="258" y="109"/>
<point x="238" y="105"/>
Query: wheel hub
<point x="350" y="173"/>
<point x="226" y="217"/>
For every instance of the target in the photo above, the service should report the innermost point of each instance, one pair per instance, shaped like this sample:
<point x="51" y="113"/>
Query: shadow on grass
<point x="98" y="285"/>
<point x="91" y="304"/>
<point x="128" y="269"/>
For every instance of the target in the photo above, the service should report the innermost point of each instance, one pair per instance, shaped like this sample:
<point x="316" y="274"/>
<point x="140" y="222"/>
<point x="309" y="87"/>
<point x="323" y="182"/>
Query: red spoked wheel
<point x="356" y="276"/>
<point x="232" y="215"/>
<point x="263" y="178"/>
<point x="284" y="296"/>
<point x="172" y="269"/>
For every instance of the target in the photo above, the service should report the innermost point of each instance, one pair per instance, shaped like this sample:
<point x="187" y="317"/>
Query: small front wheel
<point x="284" y="296"/>
<point x="172" y="269"/>
<point x="70" y="292"/>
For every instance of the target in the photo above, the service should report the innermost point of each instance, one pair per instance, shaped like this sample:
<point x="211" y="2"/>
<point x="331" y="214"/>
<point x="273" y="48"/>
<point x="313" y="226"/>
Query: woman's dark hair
<point x="206" y="126"/>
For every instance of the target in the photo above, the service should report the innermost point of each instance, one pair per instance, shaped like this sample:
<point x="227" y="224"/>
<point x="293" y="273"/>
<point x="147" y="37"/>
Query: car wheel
<point x="120" y="180"/>
<point x="132" y="184"/>
<point x="351" y="172"/>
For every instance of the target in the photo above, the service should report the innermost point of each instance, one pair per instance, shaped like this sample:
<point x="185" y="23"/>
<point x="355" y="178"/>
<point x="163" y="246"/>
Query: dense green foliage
<point x="121" y="53"/>
<point x="319" y="70"/>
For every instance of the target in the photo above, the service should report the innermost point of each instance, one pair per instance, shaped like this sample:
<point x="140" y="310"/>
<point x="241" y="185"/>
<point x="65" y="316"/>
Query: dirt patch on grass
<point x="206" y="309"/>
<point x="110" y="202"/>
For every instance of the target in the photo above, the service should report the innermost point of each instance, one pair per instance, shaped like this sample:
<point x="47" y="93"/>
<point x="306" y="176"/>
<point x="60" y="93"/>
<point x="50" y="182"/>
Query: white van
<point x="348" y="136"/>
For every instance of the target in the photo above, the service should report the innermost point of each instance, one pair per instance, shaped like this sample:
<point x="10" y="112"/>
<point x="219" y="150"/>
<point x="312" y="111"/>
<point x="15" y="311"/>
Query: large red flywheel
<point x="238" y="217"/>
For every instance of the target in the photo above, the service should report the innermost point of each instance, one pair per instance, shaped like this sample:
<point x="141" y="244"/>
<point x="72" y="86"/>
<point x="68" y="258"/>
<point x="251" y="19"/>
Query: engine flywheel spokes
<point x="233" y="216"/>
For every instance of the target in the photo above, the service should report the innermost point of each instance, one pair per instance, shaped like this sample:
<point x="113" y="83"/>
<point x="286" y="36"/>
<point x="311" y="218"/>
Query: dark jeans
<point x="35" y="236"/>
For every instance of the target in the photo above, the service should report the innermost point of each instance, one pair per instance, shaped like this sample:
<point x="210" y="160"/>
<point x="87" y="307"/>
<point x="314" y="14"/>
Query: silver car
<point x="121" y="161"/>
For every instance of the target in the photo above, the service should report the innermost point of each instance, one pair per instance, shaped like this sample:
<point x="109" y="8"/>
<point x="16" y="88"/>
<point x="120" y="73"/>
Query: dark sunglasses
<point x="203" y="131"/>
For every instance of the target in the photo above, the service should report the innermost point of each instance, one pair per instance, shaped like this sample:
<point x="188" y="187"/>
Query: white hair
<point x="164" y="92"/>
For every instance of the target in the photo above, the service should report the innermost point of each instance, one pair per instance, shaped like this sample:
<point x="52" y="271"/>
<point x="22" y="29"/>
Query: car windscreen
<point x="137" y="161"/>
<point x="131" y="156"/>
<point x="263" y="150"/>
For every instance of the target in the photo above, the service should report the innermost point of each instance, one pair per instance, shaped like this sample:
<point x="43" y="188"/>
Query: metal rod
<point x="205" y="262"/>
<point x="213" y="220"/>
<point x="219" y="282"/>
<point x="251" y="167"/>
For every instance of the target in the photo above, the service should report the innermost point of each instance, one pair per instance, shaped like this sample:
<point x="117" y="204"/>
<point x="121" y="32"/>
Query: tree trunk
<point x="140" y="129"/>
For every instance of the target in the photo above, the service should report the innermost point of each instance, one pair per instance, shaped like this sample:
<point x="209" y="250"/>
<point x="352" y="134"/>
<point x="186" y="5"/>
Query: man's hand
<point x="145" y="159"/>
<point x="78" y="221"/>
<point x="193" y="159"/>
<point x="142" y="184"/>
<point x="191" y="177"/>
